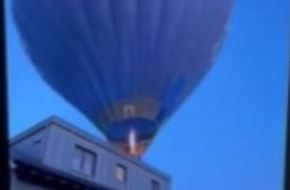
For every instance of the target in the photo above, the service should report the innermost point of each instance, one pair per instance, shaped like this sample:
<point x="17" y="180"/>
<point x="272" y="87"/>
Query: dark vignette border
<point x="4" y="167"/>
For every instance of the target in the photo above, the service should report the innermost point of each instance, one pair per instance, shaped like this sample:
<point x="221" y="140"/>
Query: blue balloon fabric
<point x="125" y="64"/>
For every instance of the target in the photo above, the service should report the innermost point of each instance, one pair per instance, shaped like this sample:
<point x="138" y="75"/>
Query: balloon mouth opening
<point x="118" y="132"/>
<point x="137" y="150"/>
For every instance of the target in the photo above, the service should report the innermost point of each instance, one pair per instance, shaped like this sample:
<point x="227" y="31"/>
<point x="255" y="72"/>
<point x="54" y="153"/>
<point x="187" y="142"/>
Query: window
<point x="121" y="173"/>
<point x="84" y="161"/>
<point x="155" y="185"/>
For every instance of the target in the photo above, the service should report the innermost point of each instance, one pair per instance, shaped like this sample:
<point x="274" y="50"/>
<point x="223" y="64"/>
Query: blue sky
<point x="228" y="135"/>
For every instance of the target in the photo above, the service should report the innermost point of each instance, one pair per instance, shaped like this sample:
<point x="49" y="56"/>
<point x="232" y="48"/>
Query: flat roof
<point x="77" y="131"/>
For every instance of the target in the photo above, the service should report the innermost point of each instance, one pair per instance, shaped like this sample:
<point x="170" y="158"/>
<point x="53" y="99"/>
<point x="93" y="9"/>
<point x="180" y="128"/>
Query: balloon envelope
<point x="125" y="64"/>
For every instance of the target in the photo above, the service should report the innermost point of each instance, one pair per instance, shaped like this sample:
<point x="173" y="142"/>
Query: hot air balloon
<point x="127" y="65"/>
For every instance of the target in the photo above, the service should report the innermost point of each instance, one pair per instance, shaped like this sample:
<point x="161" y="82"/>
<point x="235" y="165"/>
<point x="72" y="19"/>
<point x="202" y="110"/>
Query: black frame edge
<point x="4" y="159"/>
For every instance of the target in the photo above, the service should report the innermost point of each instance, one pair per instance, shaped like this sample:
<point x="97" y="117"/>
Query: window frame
<point x="125" y="173"/>
<point x="80" y="168"/>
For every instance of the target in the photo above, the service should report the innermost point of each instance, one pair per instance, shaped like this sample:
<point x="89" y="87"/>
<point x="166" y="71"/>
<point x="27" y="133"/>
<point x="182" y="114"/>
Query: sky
<point x="230" y="132"/>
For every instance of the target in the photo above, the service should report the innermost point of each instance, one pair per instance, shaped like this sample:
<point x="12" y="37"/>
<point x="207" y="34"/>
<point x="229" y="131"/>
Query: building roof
<point x="76" y="130"/>
<point x="31" y="170"/>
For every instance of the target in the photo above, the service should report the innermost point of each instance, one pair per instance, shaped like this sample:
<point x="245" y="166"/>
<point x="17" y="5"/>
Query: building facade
<point x="58" y="152"/>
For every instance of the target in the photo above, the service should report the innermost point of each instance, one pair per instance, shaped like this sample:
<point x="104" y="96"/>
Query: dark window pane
<point x="84" y="161"/>
<point x="155" y="185"/>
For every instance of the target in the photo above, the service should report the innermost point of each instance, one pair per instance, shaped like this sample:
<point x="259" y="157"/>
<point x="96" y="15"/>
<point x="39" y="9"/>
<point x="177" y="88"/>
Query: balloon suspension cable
<point x="132" y="142"/>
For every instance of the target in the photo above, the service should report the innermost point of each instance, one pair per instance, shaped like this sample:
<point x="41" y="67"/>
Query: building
<point x="57" y="155"/>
